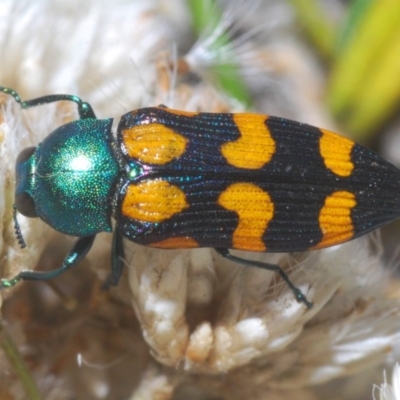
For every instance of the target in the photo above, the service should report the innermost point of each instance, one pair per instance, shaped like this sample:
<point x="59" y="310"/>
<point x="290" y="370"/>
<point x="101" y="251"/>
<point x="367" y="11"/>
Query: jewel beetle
<point x="175" y="179"/>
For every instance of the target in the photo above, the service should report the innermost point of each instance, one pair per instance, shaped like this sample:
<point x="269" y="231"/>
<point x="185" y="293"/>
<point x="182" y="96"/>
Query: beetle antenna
<point x="85" y="110"/>
<point x="17" y="228"/>
<point x="12" y="93"/>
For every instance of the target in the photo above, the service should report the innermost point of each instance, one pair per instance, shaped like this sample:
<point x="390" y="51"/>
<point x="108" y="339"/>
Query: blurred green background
<point x="360" y="54"/>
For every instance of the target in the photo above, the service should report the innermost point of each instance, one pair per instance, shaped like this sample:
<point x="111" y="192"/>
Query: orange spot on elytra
<point x="180" y="112"/>
<point x="254" y="209"/>
<point x="255" y="147"/>
<point x="336" y="152"/>
<point x="153" y="143"/>
<point x="153" y="201"/>
<point x="180" y="242"/>
<point x="335" y="219"/>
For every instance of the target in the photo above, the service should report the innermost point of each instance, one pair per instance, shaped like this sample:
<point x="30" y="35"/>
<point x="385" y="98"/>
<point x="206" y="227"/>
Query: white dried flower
<point x="389" y="391"/>
<point x="238" y="317"/>
<point x="226" y="330"/>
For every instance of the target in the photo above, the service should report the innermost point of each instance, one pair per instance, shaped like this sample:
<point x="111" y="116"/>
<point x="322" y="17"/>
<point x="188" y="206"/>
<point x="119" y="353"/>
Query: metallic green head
<point x="68" y="179"/>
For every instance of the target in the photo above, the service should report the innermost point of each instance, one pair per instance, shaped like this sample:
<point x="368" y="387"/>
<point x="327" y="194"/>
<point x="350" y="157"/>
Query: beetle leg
<point x="77" y="253"/>
<point x="117" y="259"/>
<point x="300" y="297"/>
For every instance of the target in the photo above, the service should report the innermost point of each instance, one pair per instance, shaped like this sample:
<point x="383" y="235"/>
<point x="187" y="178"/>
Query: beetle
<point x="176" y="179"/>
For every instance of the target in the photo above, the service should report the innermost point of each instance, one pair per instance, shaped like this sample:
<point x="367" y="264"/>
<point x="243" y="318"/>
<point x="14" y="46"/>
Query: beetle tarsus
<point x="77" y="253"/>
<point x="300" y="297"/>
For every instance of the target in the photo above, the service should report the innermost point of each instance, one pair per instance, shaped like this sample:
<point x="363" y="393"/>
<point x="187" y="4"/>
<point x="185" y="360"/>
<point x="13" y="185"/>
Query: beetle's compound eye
<point x="25" y="205"/>
<point x="25" y="154"/>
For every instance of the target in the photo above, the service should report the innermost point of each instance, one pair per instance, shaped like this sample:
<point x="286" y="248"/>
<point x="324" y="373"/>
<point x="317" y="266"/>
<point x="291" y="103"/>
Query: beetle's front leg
<point x="77" y="253"/>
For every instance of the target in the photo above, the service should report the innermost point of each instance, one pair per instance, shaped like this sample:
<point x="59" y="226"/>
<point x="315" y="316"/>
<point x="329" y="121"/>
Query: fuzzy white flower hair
<point x="213" y="328"/>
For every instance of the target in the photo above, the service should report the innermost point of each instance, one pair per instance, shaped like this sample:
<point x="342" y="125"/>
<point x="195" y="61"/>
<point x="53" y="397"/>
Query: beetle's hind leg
<point x="77" y="253"/>
<point x="271" y="267"/>
<point x="117" y="260"/>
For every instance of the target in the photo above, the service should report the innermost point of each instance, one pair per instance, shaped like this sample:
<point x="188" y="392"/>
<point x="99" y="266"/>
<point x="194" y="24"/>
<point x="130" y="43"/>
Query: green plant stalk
<point x="206" y="15"/>
<point x="20" y="368"/>
<point x="362" y="56"/>
<point x="357" y="11"/>
<point x="321" y="32"/>
<point x="380" y="95"/>
<point x="200" y="14"/>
